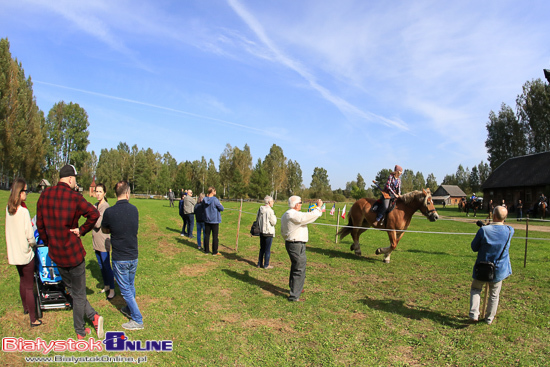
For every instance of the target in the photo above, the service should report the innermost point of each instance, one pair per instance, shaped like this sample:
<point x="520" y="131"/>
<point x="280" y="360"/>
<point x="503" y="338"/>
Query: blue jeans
<point x="104" y="262"/>
<point x="125" y="273"/>
<point x="265" y="250"/>
<point x="189" y="224"/>
<point x="200" y="232"/>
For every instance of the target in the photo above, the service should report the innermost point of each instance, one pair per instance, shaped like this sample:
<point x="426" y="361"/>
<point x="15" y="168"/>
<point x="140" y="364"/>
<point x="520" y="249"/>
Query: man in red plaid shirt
<point x="58" y="210"/>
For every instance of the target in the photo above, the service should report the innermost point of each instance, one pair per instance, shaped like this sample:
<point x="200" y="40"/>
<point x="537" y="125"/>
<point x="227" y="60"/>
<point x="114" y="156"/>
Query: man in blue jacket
<point x="492" y="244"/>
<point x="213" y="209"/>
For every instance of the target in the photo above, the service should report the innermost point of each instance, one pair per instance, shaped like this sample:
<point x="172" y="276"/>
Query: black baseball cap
<point x="67" y="171"/>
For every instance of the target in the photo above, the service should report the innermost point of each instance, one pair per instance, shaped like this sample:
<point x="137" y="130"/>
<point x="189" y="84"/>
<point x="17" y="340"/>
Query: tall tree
<point x="533" y="107"/>
<point x="238" y="187"/>
<point x="22" y="124"/>
<point x="407" y="181"/>
<point x="484" y="171"/>
<point x="275" y="166"/>
<point x="108" y="169"/>
<point x="506" y="137"/>
<point x="475" y="183"/>
<point x="225" y="173"/>
<point x="212" y="176"/>
<point x="463" y="178"/>
<point x="259" y="185"/>
<point x="294" y="177"/>
<point x="67" y="132"/>
<point x="419" y="182"/>
<point x="320" y="184"/>
<point x="431" y="183"/>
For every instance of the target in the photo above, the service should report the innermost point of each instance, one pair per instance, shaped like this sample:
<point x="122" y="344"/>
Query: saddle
<point x="378" y="202"/>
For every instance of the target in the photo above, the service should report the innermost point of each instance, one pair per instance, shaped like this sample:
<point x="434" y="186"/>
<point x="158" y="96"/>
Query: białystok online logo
<point x="115" y="341"/>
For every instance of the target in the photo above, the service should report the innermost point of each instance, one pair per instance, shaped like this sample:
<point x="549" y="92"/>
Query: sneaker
<point x="217" y="254"/>
<point x="98" y="326"/>
<point x="132" y="325"/>
<point x="87" y="331"/>
<point x="199" y="248"/>
<point x="269" y="267"/>
<point x="182" y="235"/>
<point x="126" y="312"/>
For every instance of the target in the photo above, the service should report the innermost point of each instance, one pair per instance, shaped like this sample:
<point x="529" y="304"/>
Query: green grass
<point x="358" y="311"/>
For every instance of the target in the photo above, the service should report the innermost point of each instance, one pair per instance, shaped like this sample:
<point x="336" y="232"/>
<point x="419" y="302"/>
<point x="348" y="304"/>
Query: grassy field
<point x="224" y="311"/>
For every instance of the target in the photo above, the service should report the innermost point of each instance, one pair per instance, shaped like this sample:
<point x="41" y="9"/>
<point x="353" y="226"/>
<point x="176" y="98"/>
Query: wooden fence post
<point x="526" y="239"/>
<point x="239" y="226"/>
<point x="337" y="225"/>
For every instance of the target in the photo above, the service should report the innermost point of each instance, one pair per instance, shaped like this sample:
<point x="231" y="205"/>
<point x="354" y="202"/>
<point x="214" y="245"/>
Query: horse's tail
<point x="343" y="232"/>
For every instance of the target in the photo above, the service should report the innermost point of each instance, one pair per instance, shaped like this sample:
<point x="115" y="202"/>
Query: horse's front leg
<point x="394" y="240"/>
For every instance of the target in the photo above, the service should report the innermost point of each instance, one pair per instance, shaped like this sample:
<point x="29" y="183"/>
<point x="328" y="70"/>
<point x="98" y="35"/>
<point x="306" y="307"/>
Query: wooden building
<point x="92" y="188"/>
<point x="522" y="178"/>
<point x="448" y="194"/>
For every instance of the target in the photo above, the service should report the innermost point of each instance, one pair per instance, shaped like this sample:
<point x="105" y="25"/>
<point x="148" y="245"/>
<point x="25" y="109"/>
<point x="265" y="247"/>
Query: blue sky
<point x="352" y="86"/>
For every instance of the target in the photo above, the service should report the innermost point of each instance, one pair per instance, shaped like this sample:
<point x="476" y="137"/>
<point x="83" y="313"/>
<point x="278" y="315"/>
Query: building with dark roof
<point x="522" y="178"/>
<point x="449" y="194"/>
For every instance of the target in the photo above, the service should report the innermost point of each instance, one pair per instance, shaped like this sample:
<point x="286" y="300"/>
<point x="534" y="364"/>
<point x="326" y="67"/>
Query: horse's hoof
<point x="352" y="247"/>
<point x="378" y="252"/>
<point x="358" y="253"/>
<point x="386" y="261"/>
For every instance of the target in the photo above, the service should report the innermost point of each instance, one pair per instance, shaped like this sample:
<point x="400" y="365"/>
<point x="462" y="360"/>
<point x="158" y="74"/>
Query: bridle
<point x="429" y="206"/>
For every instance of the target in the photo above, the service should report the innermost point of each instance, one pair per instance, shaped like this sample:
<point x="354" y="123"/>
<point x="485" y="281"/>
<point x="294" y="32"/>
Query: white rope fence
<point x="406" y="230"/>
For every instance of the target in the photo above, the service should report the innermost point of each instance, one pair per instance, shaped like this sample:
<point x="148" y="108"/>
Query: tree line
<point x="36" y="146"/>
<point x="523" y="131"/>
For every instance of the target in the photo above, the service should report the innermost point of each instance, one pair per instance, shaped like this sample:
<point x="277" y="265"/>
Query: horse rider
<point x="473" y="198"/>
<point x="391" y="190"/>
<point x="542" y="199"/>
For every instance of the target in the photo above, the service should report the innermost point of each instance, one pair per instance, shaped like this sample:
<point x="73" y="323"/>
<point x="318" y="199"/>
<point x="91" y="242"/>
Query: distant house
<point x="43" y="184"/>
<point x="92" y="188"/>
<point x="521" y="178"/>
<point x="448" y="194"/>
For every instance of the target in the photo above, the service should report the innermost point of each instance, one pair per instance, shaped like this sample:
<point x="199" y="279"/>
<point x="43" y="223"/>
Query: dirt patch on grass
<point x="404" y="356"/>
<point x="274" y="324"/>
<point x="196" y="270"/>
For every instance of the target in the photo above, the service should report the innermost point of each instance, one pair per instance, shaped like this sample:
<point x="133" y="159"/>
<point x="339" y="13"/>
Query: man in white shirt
<point x="294" y="231"/>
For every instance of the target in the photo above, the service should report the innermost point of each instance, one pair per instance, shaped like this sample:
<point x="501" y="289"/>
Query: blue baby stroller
<point x="51" y="290"/>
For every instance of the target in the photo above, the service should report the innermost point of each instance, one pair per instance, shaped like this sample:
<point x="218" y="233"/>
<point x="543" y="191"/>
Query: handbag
<point x="255" y="229"/>
<point x="485" y="270"/>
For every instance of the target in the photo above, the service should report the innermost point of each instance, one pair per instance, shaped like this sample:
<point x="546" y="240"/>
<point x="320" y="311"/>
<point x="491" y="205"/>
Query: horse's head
<point x="428" y="209"/>
<point x="421" y="200"/>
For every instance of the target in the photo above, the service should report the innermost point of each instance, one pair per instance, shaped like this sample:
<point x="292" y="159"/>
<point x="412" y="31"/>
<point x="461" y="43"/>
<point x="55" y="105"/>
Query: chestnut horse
<point x="397" y="220"/>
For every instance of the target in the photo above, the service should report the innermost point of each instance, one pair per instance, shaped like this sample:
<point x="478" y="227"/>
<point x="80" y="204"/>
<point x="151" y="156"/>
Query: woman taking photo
<point x="102" y="244"/>
<point x="19" y="241"/>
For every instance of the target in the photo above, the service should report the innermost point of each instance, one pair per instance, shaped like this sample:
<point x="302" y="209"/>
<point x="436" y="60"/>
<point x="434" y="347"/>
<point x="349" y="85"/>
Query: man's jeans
<point x="189" y="223"/>
<point x="125" y="273"/>
<point x="297" y="253"/>
<point x="200" y="232"/>
<point x="75" y="279"/>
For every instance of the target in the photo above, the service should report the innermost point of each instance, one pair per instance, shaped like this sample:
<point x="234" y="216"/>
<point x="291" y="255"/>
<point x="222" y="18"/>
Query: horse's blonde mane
<point x="416" y="195"/>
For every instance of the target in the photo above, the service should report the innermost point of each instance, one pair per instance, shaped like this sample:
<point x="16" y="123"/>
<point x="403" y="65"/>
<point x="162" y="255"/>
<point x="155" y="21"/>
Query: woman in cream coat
<point x="20" y="241"/>
<point x="266" y="221"/>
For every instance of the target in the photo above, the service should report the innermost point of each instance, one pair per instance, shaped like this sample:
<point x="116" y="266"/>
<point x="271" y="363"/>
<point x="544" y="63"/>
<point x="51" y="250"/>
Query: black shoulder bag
<point x="485" y="270"/>
<point x="255" y="229"/>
